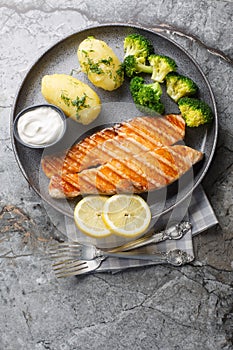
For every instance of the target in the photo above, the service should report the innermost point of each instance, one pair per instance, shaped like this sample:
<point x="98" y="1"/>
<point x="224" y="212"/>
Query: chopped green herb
<point x="79" y="103"/>
<point x="65" y="99"/>
<point x="94" y="67"/>
<point x="106" y="61"/>
<point x="119" y="77"/>
<point x="120" y="71"/>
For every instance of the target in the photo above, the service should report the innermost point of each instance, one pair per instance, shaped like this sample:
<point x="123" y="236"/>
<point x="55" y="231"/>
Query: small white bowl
<point x="30" y="108"/>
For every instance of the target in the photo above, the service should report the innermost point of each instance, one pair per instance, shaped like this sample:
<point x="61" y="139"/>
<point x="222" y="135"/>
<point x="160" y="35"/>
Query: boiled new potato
<point x="100" y="63"/>
<point x="77" y="100"/>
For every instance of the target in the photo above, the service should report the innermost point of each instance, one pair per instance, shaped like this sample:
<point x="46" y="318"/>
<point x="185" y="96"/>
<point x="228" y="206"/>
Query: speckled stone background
<point x="160" y="307"/>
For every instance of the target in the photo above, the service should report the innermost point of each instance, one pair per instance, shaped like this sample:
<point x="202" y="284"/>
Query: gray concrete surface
<point x="158" y="307"/>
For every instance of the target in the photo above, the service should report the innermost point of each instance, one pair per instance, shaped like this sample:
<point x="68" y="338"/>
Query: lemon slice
<point x="88" y="216"/>
<point x="126" y="215"/>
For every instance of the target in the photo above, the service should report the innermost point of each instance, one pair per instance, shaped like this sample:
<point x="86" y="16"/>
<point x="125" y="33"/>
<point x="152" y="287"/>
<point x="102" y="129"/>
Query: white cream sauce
<point x="40" y="126"/>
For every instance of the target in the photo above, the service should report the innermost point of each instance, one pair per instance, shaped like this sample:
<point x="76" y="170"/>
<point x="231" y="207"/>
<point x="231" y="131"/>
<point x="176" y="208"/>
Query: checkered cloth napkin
<point x="200" y="214"/>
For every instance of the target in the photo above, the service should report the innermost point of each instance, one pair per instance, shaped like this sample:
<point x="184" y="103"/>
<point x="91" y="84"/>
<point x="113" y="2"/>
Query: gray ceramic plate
<point x="117" y="106"/>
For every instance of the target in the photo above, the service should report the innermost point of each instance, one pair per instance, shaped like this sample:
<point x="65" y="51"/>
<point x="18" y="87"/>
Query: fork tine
<point x="65" y="253"/>
<point x="77" y="267"/>
<point x="67" y="264"/>
<point x="64" y="244"/>
<point x="63" y="262"/>
<point x="65" y="249"/>
<point x="73" y="268"/>
<point x="70" y="273"/>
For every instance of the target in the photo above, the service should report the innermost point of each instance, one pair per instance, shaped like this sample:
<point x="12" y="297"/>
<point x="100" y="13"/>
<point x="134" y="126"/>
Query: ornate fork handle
<point x="178" y="257"/>
<point x="173" y="232"/>
<point x="174" y="257"/>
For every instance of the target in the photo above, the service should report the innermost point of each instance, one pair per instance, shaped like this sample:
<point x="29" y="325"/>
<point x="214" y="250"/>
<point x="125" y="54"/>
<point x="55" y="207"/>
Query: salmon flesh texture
<point x="148" y="171"/>
<point x="126" y="139"/>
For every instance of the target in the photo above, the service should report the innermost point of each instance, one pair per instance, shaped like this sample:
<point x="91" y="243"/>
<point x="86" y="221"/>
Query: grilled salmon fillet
<point x="148" y="171"/>
<point x="125" y="139"/>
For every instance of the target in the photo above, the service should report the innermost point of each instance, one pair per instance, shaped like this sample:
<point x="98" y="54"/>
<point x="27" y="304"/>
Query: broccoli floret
<point x="161" y="65"/>
<point x="179" y="86"/>
<point x="148" y="99"/>
<point x="194" y="111"/>
<point x="133" y="65"/>
<point x="138" y="46"/>
<point x="147" y="96"/>
<point x="135" y="85"/>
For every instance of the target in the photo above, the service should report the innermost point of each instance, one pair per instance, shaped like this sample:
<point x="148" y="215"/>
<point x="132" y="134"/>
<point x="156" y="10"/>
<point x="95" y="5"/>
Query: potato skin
<point x="77" y="100"/>
<point x="100" y="63"/>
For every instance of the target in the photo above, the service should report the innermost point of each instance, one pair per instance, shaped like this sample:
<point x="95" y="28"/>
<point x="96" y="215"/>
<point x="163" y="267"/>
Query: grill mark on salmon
<point x="150" y="171"/>
<point x="131" y="137"/>
<point x="71" y="160"/>
<point x="163" y="132"/>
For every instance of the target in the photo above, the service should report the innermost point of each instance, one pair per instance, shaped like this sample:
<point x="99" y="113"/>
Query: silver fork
<point x="88" y="252"/>
<point x="75" y="251"/>
<point x="71" y="267"/>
